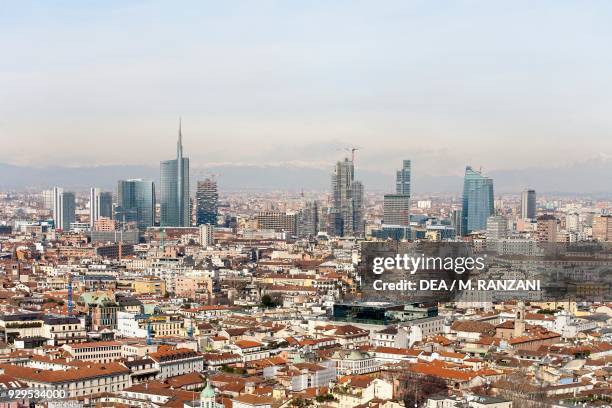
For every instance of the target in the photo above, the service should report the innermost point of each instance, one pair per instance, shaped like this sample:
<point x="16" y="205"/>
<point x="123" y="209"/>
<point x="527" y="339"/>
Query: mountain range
<point x="593" y="177"/>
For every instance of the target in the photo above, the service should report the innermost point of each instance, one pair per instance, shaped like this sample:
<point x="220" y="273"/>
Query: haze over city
<point x="295" y="84"/>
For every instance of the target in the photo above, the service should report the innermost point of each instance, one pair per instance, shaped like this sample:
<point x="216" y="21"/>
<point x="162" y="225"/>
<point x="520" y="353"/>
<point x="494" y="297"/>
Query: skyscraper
<point x="346" y="212"/>
<point x="528" y="204"/>
<point x="100" y="205"/>
<point x="396" y="207"/>
<point x="136" y="202"/>
<point x="174" y="194"/>
<point x="57" y="206"/>
<point x="63" y="209"/>
<point x="478" y="202"/>
<point x="47" y="197"/>
<point x="308" y="219"/>
<point x="207" y="200"/>
<point x="402" y="179"/>
<point x="457" y="222"/>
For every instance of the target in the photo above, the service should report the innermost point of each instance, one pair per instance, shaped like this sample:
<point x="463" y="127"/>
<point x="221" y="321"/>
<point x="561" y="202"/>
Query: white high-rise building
<point x="206" y="235"/>
<point x="63" y="209"/>
<point x="100" y="206"/>
<point x="47" y="196"/>
<point x="572" y="222"/>
<point x="58" y="208"/>
<point x="94" y="206"/>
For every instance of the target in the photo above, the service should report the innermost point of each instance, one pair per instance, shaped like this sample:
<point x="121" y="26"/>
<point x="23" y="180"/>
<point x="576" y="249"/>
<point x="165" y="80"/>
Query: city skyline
<point x="274" y="204"/>
<point x="374" y="84"/>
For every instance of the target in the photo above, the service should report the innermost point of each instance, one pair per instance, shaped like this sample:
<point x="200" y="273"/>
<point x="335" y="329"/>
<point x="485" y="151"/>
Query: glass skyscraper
<point x="136" y="202"/>
<point x="396" y="207"/>
<point x="100" y="205"/>
<point x="478" y="203"/>
<point x="528" y="204"/>
<point x="402" y="179"/>
<point x="174" y="190"/>
<point x="63" y="209"/>
<point x="346" y="213"/>
<point x="207" y="199"/>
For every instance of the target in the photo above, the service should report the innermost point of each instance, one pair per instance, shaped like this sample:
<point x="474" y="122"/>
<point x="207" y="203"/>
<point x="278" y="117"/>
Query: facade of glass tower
<point x="63" y="209"/>
<point x="100" y="205"/>
<point x="528" y="204"/>
<point x="174" y="189"/>
<point x="207" y="200"/>
<point x="478" y="203"/>
<point x="136" y="203"/>
<point x="402" y="179"/>
<point x="396" y="207"/>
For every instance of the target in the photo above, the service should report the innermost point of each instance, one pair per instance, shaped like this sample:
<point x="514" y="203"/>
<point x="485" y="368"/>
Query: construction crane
<point x="352" y="149"/>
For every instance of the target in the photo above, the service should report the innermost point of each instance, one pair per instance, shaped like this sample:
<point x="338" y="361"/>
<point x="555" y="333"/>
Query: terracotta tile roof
<point x="243" y="344"/>
<point x="185" y="379"/>
<point x="173" y="354"/>
<point x="61" y="376"/>
<point x="471" y="326"/>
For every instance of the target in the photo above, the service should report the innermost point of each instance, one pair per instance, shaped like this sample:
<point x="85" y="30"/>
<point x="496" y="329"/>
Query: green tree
<point x="267" y="301"/>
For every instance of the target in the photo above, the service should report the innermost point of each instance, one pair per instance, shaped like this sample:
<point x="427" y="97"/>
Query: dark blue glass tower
<point x="478" y="202"/>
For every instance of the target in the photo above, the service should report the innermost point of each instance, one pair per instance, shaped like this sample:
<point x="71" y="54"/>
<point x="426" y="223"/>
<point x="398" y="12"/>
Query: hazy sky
<point x="498" y="84"/>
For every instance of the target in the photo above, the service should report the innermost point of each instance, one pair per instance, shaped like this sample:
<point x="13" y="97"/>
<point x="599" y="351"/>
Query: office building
<point x="135" y="203"/>
<point x="572" y="222"/>
<point x="602" y="227"/>
<point x="56" y="207"/>
<point x="497" y="227"/>
<point x="402" y="179"/>
<point x="278" y="221"/>
<point x="100" y="205"/>
<point x="528" y="204"/>
<point x="477" y="201"/>
<point x="308" y="219"/>
<point x="47" y="199"/>
<point x="105" y="224"/>
<point x="174" y="189"/>
<point x="457" y="221"/>
<point x="207" y="235"/>
<point x="64" y="209"/>
<point x="547" y="228"/>
<point x="396" y="209"/>
<point x="346" y="212"/>
<point x="207" y="199"/>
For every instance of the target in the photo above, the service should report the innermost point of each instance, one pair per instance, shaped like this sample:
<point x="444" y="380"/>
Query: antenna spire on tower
<point x="179" y="144"/>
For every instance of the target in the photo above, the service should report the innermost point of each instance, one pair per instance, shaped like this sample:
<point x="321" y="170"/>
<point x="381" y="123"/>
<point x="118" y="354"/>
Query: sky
<point x="495" y="84"/>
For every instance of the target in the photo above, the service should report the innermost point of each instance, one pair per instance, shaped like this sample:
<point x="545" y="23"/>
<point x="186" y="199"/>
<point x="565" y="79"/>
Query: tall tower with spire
<point x="174" y="194"/>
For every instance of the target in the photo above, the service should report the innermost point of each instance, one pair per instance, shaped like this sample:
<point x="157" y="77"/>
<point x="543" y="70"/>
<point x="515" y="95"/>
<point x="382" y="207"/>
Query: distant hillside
<point x="591" y="177"/>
